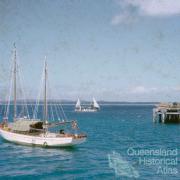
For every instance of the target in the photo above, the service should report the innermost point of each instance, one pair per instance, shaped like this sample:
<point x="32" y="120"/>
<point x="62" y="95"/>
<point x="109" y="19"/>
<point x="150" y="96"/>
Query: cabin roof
<point x="23" y="124"/>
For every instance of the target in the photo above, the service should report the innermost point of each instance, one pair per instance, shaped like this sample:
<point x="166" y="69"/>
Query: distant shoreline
<point x="105" y="103"/>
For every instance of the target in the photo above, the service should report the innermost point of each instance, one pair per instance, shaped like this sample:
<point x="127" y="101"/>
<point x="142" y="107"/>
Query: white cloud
<point x="123" y="18"/>
<point x="131" y="9"/>
<point x="157" y="7"/>
<point x="139" y="89"/>
<point x="142" y="90"/>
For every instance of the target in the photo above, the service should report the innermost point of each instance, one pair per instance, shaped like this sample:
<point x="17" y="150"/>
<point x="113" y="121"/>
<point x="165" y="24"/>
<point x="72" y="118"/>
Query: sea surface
<point x="123" y="143"/>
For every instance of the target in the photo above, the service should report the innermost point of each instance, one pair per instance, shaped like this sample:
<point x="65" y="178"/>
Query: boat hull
<point x="86" y="110"/>
<point x="45" y="141"/>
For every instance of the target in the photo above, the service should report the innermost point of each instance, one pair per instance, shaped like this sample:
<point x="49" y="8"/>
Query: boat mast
<point x="15" y="70"/>
<point x="45" y="94"/>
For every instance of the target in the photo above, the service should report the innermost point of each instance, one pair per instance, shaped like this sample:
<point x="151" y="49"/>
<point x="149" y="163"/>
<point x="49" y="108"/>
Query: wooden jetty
<point x="167" y="113"/>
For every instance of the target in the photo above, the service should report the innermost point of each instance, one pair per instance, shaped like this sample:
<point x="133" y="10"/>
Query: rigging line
<point x="58" y="115"/>
<point x="40" y="92"/>
<point x="50" y="104"/>
<point x="61" y="115"/>
<point x="9" y="97"/>
<point x="62" y="111"/>
<point x="24" y="105"/>
<point x="21" y="91"/>
<point x="20" y="77"/>
<point x="10" y="90"/>
<point x="9" y="85"/>
<point x="52" y="112"/>
<point x="39" y="95"/>
<point x="56" y="111"/>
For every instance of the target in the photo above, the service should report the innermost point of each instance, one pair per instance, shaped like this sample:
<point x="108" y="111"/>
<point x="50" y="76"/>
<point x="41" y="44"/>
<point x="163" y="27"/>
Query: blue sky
<point x="115" y="50"/>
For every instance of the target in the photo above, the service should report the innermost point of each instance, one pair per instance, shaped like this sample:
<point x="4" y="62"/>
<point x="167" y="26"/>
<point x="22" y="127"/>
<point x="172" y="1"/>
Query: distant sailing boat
<point x="78" y="105"/>
<point x="24" y="130"/>
<point x="94" y="107"/>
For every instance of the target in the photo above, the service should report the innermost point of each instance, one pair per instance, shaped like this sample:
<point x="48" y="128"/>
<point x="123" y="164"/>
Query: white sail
<point x="95" y="104"/>
<point x="78" y="104"/>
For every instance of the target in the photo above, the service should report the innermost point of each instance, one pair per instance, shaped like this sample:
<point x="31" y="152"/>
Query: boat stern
<point x="79" y="138"/>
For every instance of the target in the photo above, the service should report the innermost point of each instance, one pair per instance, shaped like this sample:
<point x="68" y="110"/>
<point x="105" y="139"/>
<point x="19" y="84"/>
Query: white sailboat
<point x="78" y="105"/>
<point x="24" y="130"/>
<point x="94" y="107"/>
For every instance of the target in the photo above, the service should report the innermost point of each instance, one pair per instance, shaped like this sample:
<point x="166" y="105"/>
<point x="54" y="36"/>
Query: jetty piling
<point x="167" y="113"/>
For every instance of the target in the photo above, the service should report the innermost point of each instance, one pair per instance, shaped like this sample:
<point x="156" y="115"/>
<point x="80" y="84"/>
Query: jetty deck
<point x="167" y="113"/>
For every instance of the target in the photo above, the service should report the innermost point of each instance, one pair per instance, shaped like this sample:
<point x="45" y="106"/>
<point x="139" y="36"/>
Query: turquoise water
<point x="114" y="134"/>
